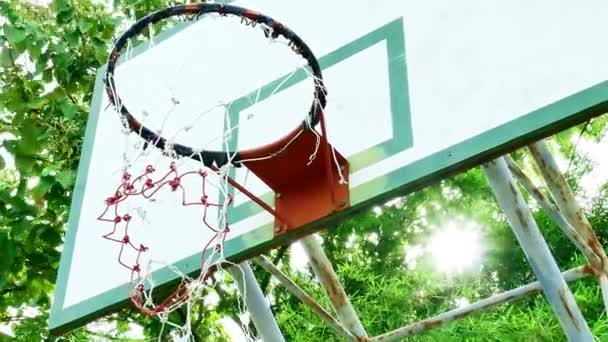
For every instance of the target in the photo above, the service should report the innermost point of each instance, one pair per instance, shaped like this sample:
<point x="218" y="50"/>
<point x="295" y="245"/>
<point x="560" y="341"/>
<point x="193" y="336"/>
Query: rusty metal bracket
<point x="308" y="184"/>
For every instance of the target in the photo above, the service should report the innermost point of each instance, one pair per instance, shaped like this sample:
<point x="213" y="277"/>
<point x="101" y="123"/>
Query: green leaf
<point x="44" y="186"/>
<point x="5" y="58"/>
<point x="25" y="163"/>
<point x="72" y="38"/>
<point x="84" y="25"/>
<point x="8" y="11"/>
<point x="46" y="134"/>
<point x="2" y="163"/>
<point x="35" y="51"/>
<point x="37" y="103"/>
<point x="65" y="11"/>
<point x="66" y="178"/>
<point x="7" y="246"/>
<point x="61" y="60"/>
<point x="68" y="109"/>
<point x="30" y="142"/>
<point x="10" y="145"/>
<point x="21" y="229"/>
<point x="43" y="61"/>
<point x="14" y="34"/>
<point x="101" y="54"/>
<point x="47" y="75"/>
<point x="51" y="236"/>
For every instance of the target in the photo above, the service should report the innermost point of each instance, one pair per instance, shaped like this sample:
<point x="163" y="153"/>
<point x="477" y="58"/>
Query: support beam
<point x="566" y="202"/>
<point x="497" y="299"/>
<point x="258" y="307"/>
<point x="536" y="250"/>
<point x="306" y="299"/>
<point x="326" y="275"/>
<point x="594" y="256"/>
<point x="552" y="211"/>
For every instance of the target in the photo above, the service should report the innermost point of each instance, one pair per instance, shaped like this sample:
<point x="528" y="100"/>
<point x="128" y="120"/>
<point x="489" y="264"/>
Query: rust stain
<point x="430" y="324"/>
<point x="464" y="314"/>
<point x="562" y="193"/>
<point x="191" y="8"/>
<point x="333" y="289"/>
<point x="567" y="307"/>
<point x="538" y="193"/>
<point x="533" y="291"/>
<point x="595" y="245"/>
<point x="597" y="249"/>
<point x="513" y="189"/>
<point x="536" y="154"/>
<point x="581" y="217"/>
<point x="588" y="269"/>
<point x="521" y="218"/>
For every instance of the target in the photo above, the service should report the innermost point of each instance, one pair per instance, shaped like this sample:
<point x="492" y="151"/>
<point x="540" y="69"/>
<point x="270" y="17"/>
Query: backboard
<point x="417" y="91"/>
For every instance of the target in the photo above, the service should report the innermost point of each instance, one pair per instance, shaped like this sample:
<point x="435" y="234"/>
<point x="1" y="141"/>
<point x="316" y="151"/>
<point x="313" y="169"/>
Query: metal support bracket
<point x="308" y="184"/>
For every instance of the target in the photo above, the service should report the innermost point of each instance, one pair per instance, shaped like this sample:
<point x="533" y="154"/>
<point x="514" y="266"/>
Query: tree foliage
<point x="48" y="60"/>
<point x="49" y="57"/>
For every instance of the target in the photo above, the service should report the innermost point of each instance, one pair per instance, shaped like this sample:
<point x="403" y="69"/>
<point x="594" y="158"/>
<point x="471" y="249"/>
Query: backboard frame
<point x="528" y="128"/>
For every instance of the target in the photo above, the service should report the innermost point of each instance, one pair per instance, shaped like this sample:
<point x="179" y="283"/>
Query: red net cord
<point x="144" y="185"/>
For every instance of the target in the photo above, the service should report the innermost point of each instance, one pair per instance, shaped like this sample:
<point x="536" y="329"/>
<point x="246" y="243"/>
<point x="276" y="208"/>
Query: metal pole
<point x="568" y="206"/>
<point x="593" y="255"/>
<point x="536" y="250"/>
<point x="458" y="313"/>
<point x="552" y="211"/>
<point x="603" y="279"/>
<point x="258" y="307"/>
<point x="322" y="268"/>
<point x="563" y="196"/>
<point x="306" y="299"/>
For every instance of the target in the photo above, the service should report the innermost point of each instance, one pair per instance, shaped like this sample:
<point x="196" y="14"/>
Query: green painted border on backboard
<point x="535" y="125"/>
<point x="393" y="35"/>
<point x="59" y="316"/>
<point x="62" y="319"/>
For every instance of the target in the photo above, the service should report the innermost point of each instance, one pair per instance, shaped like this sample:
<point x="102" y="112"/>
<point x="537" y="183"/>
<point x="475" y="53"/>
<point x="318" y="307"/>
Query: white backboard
<point x="417" y="90"/>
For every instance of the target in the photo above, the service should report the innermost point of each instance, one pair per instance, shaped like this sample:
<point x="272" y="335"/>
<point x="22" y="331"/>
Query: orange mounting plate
<point x="307" y="184"/>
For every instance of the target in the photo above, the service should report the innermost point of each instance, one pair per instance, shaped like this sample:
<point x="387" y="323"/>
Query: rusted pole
<point x="536" y="250"/>
<point x="256" y="303"/>
<point x="596" y="263"/>
<point x="552" y="211"/>
<point x="326" y="275"/>
<point x="458" y="313"/>
<point x="306" y="299"/>
<point x="568" y="206"/>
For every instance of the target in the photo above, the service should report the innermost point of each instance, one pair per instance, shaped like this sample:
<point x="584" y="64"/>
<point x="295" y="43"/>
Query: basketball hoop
<point x="307" y="175"/>
<point x="271" y="28"/>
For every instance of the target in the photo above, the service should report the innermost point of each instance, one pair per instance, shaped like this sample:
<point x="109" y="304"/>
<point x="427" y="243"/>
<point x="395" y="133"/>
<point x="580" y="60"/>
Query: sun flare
<point x="456" y="248"/>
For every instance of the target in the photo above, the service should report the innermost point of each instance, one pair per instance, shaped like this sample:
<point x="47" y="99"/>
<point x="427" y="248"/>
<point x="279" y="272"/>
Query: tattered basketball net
<point x="156" y="160"/>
